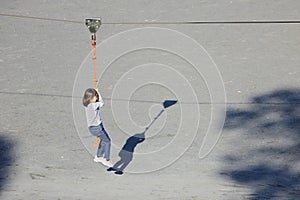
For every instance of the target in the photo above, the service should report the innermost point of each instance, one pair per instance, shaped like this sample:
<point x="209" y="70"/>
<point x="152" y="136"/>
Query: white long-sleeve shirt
<point x="92" y="112"/>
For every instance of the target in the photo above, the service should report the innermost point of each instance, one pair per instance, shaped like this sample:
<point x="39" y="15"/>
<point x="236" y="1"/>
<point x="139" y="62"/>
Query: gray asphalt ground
<point x="43" y="45"/>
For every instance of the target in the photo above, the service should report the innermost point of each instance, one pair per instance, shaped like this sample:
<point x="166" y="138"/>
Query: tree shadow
<point x="6" y="160"/>
<point x="266" y="149"/>
<point x="127" y="151"/>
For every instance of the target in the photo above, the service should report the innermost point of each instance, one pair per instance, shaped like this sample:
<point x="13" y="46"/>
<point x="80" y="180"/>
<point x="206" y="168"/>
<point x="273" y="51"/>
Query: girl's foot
<point x="107" y="163"/>
<point x="98" y="159"/>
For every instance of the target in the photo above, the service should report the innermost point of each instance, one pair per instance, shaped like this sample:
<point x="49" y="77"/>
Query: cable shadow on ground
<point x="266" y="155"/>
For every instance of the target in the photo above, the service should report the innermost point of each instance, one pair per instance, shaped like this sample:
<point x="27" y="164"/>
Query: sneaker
<point x="107" y="163"/>
<point x="98" y="159"/>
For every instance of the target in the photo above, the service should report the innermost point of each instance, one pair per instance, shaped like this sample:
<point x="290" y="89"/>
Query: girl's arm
<point x="101" y="102"/>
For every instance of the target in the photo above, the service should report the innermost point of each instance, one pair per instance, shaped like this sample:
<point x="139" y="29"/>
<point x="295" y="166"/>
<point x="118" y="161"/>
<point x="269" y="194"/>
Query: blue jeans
<point x="104" y="146"/>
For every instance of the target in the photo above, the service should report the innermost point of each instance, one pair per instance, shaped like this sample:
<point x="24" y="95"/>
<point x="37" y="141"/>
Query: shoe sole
<point x="106" y="165"/>
<point x="102" y="163"/>
<point x="96" y="161"/>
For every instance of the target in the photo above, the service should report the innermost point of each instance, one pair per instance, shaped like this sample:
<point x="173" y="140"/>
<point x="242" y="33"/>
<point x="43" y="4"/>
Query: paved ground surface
<point x="257" y="156"/>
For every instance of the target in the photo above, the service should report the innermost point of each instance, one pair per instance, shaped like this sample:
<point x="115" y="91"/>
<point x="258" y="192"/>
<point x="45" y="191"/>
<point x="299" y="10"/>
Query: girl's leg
<point x="100" y="150"/>
<point x="106" y="142"/>
<point x="107" y="150"/>
<point x="97" y="131"/>
<point x="104" y="131"/>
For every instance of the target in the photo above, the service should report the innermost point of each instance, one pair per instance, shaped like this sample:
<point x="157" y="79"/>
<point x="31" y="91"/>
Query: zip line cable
<point x="160" y="22"/>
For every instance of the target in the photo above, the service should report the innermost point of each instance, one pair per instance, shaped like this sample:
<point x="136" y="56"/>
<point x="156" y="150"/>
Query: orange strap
<point x="97" y="142"/>
<point x="95" y="65"/>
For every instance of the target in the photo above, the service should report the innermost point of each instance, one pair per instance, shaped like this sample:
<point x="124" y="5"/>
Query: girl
<point x="93" y="101"/>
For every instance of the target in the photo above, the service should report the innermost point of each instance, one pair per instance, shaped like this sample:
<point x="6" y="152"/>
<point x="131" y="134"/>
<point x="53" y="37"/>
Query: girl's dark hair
<point x="88" y="95"/>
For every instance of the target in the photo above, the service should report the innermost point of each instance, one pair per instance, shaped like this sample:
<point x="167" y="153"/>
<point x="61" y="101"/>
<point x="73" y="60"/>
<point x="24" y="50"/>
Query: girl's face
<point x="94" y="99"/>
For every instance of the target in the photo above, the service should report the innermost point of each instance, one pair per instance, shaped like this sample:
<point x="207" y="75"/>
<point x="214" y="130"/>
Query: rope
<point x="98" y="140"/>
<point x="94" y="59"/>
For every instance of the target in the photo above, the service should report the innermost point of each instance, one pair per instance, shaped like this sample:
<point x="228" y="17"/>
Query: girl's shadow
<point x="126" y="153"/>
